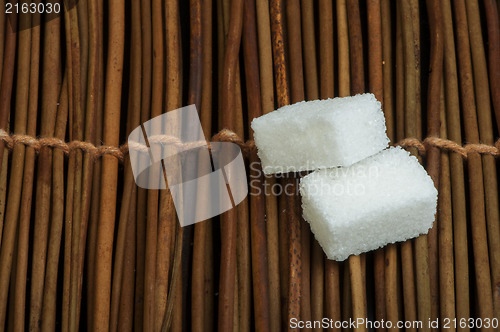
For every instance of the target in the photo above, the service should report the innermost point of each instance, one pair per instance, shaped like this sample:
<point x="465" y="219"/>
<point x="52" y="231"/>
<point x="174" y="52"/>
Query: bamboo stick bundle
<point x="75" y="85"/>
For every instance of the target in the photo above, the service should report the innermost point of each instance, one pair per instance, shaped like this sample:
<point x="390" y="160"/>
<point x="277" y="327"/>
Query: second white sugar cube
<point x="320" y="134"/>
<point x="383" y="199"/>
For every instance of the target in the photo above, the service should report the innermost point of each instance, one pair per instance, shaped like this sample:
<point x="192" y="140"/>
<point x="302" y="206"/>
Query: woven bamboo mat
<point x="82" y="247"/>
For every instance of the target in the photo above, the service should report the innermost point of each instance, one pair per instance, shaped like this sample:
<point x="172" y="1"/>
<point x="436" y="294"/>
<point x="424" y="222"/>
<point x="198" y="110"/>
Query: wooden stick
<point x="295" y="51"/>
<point x="267" y="98"/>
<point x="375" y="73"/>
<point x="71" y="50"/>
<point x="265" y="55"/>
<point x="486" y="136"/>
<point x="194" y="97"/>
<point x="201" y="302"/>
<point x="228" y="219"/>
<point x="128" y="198"/>
<point x="415" y="21"/>
<point x="326" y="49"/>
<point x="89" y="64"/>
<point x="238" y="126"/>
<point x="294" y="248"/>
<point x="146" y="82"/>
<point x="9" y="36"/>
<point x="358" y="285"/>
<point x="260" y="274"/>
<point x="84" y="27"/>
<point x="96" y="178"/>
<point x="3" y="17"/>
<point x="309" y="50"/>
<point x="243" y="259"/>
<point x="476" y="190"/>
<point x="221" y="44"/>
<point x="356" y="47"/>
<point x="400" y="101"/>
<point x="180" y="251"/>
<point x="127" y="297"/>
<point x="343" y="49"/>
<point x="171" y="318"/>
<point x="3" y="190"/>
<point x="223" y="10"/>
<point x="7" y="252"/>
<point x="344" y="90"/>
<point x="410" y="310"/>
<point x="56" y="230"/>
<point x="27" y="185"/>
<point x="109" y="166"/>
<point x="445" y="230"/>
<point x="297" y="95"/>
<point x="9" y="55"/>
<point x="153" y="195"/>
<point x="206" y="122"/>
<point x="312" y="92"/>
<point x="433" y="130"/>
<point x="391" y="251"/>
<point x="456" y="167"/>
<point x="283" y="255"/>
<point x="10" y="314"/>
<point x="492" y="21"/>
<point x="494" y="73"/>
<point x="412" y="105"/>
<point x="387" y="67"/>
<point x="166" y="220"/>
<point x="76" y="132"/>
<point x="209" y="280"/>
<point x="332" y="284"/>
<point x="123" y="278"/>
<point x="376" y="86"/>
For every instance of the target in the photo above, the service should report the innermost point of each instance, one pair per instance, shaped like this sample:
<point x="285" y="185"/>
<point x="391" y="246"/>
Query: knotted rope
<point x="225" y="135"/>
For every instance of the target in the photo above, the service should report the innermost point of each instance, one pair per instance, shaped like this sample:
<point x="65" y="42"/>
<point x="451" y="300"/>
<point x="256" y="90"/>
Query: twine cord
<point x="225" y="135"/>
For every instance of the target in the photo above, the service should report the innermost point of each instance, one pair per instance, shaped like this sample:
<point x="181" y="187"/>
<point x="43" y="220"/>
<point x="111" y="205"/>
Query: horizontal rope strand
<point x="224" y="135"/>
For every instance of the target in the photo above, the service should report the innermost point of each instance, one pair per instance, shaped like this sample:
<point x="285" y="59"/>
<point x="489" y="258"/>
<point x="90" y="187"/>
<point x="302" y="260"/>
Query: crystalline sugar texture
<point x="383" y="199"/>
<point x="320" y="134"/>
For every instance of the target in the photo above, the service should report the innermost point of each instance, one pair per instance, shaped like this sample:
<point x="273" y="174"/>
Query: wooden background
<point x="82" y="248"/>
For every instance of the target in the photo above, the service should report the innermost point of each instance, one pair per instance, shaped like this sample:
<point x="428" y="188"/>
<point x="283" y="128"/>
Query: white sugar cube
<point x="320" y="134"/>
<point x="383" y="199"/>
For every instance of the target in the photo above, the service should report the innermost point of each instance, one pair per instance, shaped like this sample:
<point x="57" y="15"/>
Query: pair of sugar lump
<point x="360" y="197"/>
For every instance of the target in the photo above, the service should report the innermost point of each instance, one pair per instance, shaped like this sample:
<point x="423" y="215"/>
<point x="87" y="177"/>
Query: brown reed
<point x="476" y="189"/>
